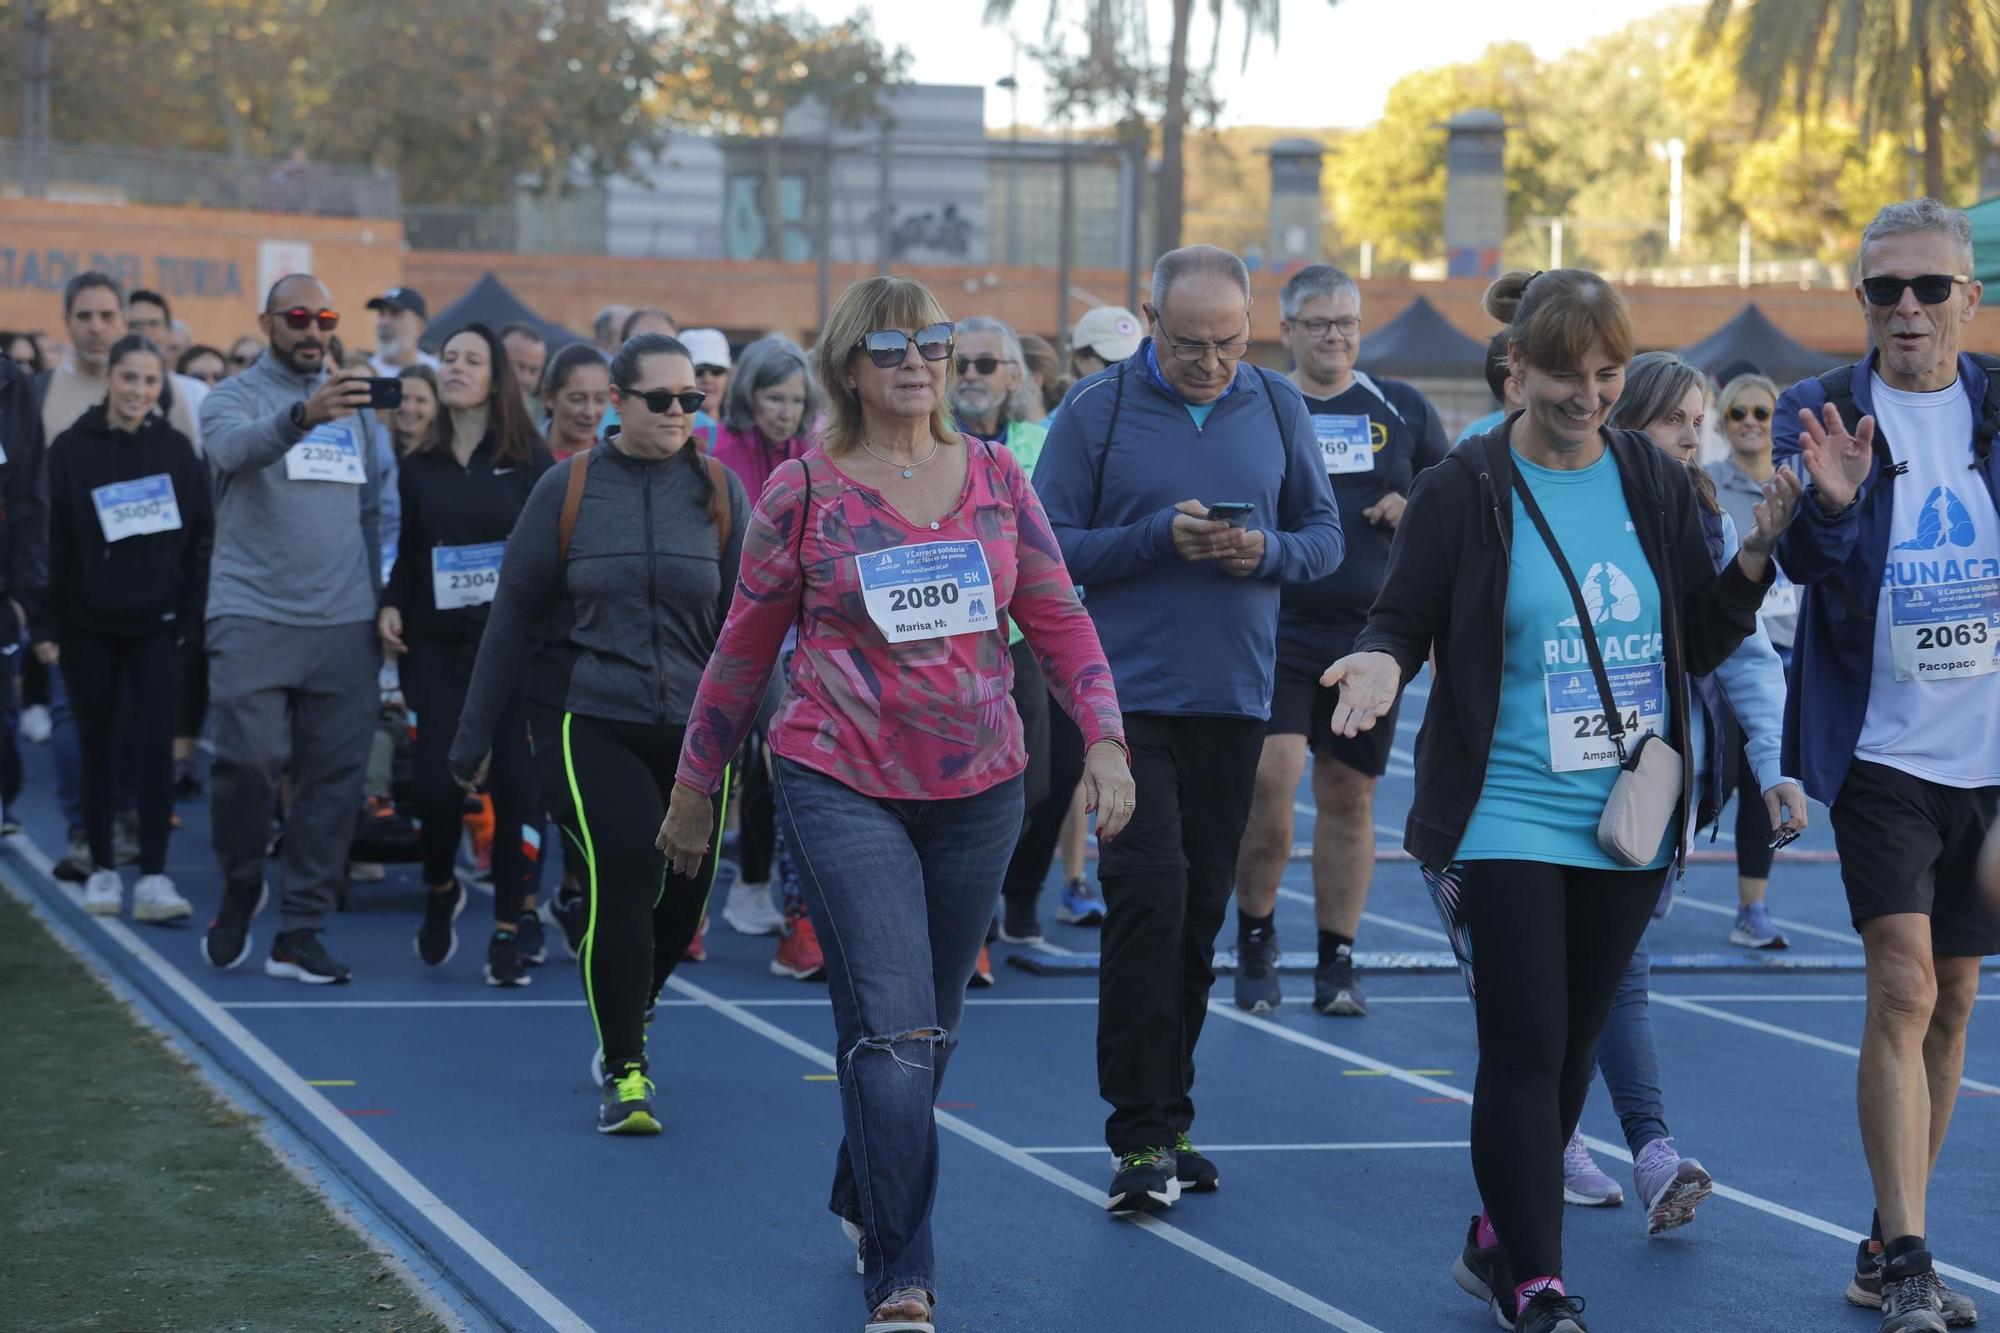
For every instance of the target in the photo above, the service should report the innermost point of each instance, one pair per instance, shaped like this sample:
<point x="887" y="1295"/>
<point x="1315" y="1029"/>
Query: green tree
<point x="1119" y="69"/>
<point x="1929" y="67"/>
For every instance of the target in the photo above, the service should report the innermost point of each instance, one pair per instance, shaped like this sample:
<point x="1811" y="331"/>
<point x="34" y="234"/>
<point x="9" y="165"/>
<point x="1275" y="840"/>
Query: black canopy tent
<point x="1420" y="343"/>
<point x="492" y="303"/>
<point x="1751" y="339"/>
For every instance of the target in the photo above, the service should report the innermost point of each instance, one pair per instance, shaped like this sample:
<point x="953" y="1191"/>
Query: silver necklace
<point x="909" y="471"/>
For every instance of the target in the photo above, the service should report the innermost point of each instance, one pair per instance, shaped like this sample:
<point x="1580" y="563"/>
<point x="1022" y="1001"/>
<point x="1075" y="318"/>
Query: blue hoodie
<point x="1184" y="637"/>
<point x="1838" y="564"/>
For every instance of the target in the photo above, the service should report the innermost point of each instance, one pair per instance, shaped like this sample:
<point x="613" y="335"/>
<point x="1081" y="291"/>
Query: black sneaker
<point x="627" y="1107"/>
<point x="1146" y="1182"/>
<point x="77" y="863"/>
<point x="1550" y="1311"/>
<point x="227" y="942"/>
<point x="300" y="955"/>
<point x="1257" y="971"/>
<point x="534" y="937"/>
<point x="1337" y="987"/>
<point x="1865" y="1289"/>
<point x="437" y="937"/>
<point x="503" y="961"/>
<point x="1910" y="1303"/>
<point x="1017" y="922"/>
<point x="188" y="785"/>
<point x="1194" y="1171"/>
<point x="572" y="915"/>
<point x="1481" y="1272"/>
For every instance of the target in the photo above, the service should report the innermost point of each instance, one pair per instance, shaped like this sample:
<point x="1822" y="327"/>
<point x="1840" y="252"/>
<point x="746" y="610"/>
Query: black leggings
<point x="1753" y="822"/>
<point x="1549" y="944"/>
<point x="1042" y="829"/>
<point x="99" y="671"/>
<point x="608" y="784"/>
<point x="435" y="674"/>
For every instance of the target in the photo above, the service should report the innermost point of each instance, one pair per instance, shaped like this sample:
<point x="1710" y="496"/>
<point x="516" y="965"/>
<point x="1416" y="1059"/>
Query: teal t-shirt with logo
<point x="1553" y="762"/>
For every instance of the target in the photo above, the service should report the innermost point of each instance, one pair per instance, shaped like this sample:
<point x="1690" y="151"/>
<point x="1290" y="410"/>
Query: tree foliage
<point x="740" y="67"/>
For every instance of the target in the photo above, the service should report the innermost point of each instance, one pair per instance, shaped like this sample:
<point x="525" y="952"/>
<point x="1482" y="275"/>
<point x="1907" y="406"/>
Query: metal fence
<point x="206" y="180"/>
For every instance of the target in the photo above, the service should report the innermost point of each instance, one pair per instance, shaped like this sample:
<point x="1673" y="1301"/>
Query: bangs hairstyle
<point x="877" y="303"/>
<point x="1555" y="317"/>
<point x="1655" y="383"/>
<point x="514" y="436"/>
<point x="1741" y="384"/>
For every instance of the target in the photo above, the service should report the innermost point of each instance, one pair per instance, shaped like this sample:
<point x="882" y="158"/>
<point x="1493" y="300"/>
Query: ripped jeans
<point x="901" y="894"/>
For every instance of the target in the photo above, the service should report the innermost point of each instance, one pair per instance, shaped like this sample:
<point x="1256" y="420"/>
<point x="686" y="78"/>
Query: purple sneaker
<point x="1584" y="1183"/>
<point x="1669" y="1185"/>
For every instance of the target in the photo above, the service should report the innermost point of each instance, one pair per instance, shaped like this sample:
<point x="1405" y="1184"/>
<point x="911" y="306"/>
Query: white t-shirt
<point x="383" y="370"/>
<point x="1934" y="694"/>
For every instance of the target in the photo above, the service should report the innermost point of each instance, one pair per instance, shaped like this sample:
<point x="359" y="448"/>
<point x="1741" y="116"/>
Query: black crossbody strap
<point x="1585" y="624"/>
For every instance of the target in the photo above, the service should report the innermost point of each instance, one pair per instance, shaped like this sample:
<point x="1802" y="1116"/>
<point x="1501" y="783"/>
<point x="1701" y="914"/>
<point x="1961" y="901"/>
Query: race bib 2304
<point x="463" y="576"/>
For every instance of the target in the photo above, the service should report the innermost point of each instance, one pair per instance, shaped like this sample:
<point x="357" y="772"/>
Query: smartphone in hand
<point x="1235" y="513"/>
<point x="385" y="393"/>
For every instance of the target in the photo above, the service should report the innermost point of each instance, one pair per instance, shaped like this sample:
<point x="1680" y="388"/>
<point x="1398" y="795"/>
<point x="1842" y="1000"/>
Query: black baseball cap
<point x="403" y="298"/>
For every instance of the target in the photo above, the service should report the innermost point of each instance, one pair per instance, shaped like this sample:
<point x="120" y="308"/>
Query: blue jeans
<point x="68" y="749"/>
<point x="1629" y="1058"/>
<point x="900" y="894"/>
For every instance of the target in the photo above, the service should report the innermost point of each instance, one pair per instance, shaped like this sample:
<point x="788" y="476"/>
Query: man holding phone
<point x="1373" y="437"/>
<point x="1185" y="596"/>
<point x="291" y="625"/>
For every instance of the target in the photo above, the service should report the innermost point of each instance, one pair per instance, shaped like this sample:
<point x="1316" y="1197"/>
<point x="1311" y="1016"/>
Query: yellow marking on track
<point x="822" y="1078"/>
<point x="329" y="1082"/>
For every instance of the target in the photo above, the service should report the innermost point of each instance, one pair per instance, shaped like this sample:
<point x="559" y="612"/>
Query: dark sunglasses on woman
<point x="301" y="319"/>
<point x="1738" y="413"/>
<point x="1931" y="288"/>
<point x="660" y="401"/>
<point x="889" y="348"/>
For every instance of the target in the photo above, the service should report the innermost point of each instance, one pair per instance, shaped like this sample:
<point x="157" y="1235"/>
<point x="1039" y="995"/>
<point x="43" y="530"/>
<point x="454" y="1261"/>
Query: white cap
<point x="1112" y="332"/>
<point x="706" y="346"/>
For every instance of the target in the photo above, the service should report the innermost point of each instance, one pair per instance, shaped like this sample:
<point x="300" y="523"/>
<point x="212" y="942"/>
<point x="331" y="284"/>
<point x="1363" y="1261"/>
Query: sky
<point x="1333" y="68"/>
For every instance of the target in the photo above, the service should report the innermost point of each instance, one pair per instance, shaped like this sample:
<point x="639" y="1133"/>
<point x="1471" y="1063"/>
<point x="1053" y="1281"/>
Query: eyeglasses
<point x="711" y="370"/>
<point x="244" y="361"/>
<point x="1187" y="351"/>
<point x="660" y="401"/>
<point x="1317" y="328"/>
<point x="299" y="318"/>
<point x="1931" y="288"/>
<point x="889" y="348"/>
<point x="985" y="363"/>
<point x="1738" y="413"/>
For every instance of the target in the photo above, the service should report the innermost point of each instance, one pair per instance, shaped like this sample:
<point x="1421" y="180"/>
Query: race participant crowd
<point x="892" y="622"/>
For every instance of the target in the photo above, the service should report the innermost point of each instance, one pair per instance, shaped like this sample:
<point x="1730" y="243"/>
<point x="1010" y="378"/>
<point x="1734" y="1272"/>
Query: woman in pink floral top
<point x="901" y="551"/>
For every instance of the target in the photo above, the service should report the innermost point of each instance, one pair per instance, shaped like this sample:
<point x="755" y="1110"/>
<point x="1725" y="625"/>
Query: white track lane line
<point x="1796" y="927"/>
<point x="1788" y="1034"/>
<point x="391" y="1172"/>
<point x="1603" y="1146"/>
<point x="1299" y="1300"/>
<point x="1398" y="1146"/>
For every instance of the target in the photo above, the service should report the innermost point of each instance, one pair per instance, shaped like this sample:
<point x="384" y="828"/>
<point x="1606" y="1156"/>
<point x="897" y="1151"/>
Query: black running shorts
<point x="1301" y="706"/>
<point x="1907" y="845"/>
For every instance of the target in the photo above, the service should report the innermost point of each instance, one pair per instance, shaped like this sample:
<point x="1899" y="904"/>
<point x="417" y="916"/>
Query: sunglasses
<point x="985" y="363"/>
<point x="1931" y="288"/>
<point x="889" y="348"/>
<point x="661" y="401"/>
<point x="711" y="370"/>
<point x="1738" y="413"/>
<point x="299" y="318"/>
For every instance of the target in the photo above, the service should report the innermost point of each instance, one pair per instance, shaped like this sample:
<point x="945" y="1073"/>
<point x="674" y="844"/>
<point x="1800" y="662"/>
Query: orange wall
<point x="205" y="262"/>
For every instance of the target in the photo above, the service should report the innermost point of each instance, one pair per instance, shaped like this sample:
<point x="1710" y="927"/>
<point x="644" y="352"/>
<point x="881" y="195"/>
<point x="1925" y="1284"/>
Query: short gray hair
<point x="763" y="363"/>
<point x="1310" y="284"/>
<point x="1026" y="400"/>
<point x="1922" y="214"/>
<point x="1192" y="260"/>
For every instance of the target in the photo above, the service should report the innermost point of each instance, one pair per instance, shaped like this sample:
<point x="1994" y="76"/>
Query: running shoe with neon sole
<point x="1754" y="929"/>
<point x="104" y="893"/>
<point x="1865" y="1289"/>
<point x="1481" y="1271"/>
<point x="1584" y="1182"/>
<point x="982" y="971"/>
<point x="627" y="1107"/>
<point x="227" y="941"/>
<point x="1147" y="1182"/>
<point x="1080" y="905"/>
<point x="1194" y="1170"/>
<point x="799" y="955"/>
<point x="437" y="936"/>
<point x="1551" y="1311"/>
<point x="1669" y="1185"/>
<point x="300" y="955"/>
<point x="1257" y="971"/>
<point x="155" y="899"/>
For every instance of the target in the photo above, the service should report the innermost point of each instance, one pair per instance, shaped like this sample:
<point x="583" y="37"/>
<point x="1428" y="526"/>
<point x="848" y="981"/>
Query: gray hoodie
<point x="288" y="549"/>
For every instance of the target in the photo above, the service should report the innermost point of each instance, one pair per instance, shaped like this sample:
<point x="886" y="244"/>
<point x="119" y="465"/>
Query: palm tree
<point x="1902" y="64"/>
<point x="1114" y="28"/>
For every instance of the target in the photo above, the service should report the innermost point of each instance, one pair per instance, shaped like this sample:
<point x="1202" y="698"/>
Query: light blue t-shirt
<point x="1553" y="762"/>
<point x="1199" y="411"/>
<point x="1481" y="426"/>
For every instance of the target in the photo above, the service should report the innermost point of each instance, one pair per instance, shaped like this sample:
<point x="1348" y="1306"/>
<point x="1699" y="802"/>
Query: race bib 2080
<point x="928" y="591"/>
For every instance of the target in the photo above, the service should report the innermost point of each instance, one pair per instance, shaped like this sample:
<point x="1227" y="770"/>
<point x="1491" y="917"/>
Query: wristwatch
<point x="298" y="415"/>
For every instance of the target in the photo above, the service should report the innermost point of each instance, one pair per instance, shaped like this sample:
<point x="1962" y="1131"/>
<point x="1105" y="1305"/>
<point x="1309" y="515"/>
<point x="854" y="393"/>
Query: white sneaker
<point x="154" y="898"/>
<point x="750" y="911"/>
<point x="103" y="893"/>
<point x="35" y="724"/>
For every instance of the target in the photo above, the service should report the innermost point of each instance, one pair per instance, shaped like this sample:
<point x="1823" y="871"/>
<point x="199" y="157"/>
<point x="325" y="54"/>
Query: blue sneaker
<point x="1080" y="905"/>
<point x="1755" y="930"/>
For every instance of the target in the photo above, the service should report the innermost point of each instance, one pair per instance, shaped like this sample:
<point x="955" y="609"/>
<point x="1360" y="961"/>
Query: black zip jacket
<point x="448" y="505"/>
<point x="1446" y="592"/>
<point x="137" y="585"/>
<point x="24" y="495"/>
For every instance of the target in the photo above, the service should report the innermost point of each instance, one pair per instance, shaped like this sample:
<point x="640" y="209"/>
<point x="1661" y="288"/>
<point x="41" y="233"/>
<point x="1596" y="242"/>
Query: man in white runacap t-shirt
<point x="1894" y="713"/>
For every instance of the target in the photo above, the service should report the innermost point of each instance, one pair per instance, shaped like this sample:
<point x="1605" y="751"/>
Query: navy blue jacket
<point x="1184" y="637"/>
<point x="1838" y="565"/>
<point x="24" y="495"/>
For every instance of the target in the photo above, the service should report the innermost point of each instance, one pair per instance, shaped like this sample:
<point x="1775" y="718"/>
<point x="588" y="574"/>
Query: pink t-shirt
<point x="929" y="719"/>
<point x="745" y="453"/>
